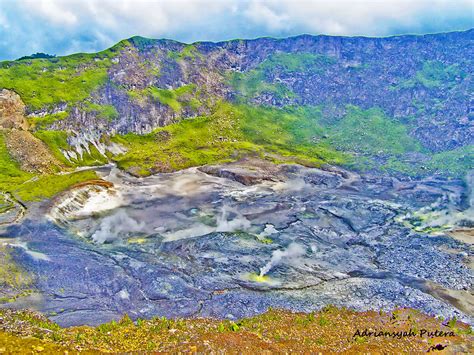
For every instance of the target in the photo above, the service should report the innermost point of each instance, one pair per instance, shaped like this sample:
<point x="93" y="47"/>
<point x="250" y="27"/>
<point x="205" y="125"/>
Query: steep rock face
<point x="30" y="152"/>
<point x="12" y="110"/>
<point x="423" y="82"/>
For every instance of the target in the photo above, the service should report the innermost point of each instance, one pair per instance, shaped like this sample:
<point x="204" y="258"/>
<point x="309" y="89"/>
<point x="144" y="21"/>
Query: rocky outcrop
<point x="12" y="110"/>
<point x="421" y="81"/>
<point x="246" y="171"/>
<point x="31" y="153"/>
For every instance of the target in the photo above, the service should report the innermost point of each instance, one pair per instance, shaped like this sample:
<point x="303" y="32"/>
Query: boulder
<point x="12" y="111"/>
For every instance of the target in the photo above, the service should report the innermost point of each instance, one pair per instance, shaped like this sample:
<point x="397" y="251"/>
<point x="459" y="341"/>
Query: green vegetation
<point x="28" y="187"/>
<point x="453" y="163"/>
<point x="57" y="141"/>
<point x="296" y="62"/>
<point x="47" y="186"/>
<point x="229" y="133"/>
<point x="174" y="98"/>
<point x="107" y="112"/>
<point x="188" y="52"/>
<point x="10" y="173"/>
<point x="275" y="331"/>
<point x="46" y="120"/>
<point x="11" y="275"/>
<point x="37" y="55"/>
<point x="255" y="82"/>
<point x="46" y="81"/>
<point x="370" y="132"/>
<point x="434" y="74"/>
<point x="141" y="43"/>
<point x="456" y="162"/>
<point x="361" y="139"/>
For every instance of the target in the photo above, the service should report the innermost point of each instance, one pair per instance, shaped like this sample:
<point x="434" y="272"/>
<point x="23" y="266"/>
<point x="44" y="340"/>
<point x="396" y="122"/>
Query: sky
<point x="63" y="27"/>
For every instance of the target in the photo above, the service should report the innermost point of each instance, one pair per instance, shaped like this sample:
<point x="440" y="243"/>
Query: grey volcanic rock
<point x="247" y="171"/>
<point x="422" y="81"/>
<point x="190" y="244"/>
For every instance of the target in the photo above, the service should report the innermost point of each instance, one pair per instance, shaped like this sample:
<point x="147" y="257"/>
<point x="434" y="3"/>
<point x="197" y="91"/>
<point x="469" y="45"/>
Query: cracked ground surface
<point x="191" y="244"/>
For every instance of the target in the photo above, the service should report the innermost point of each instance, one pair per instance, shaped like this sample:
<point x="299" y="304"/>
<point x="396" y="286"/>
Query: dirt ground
<point x="327" y="331"/>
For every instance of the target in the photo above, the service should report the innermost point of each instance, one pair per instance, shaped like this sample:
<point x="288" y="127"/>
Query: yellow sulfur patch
<point x="258" y="278"/>
<point x="137" y="240"/>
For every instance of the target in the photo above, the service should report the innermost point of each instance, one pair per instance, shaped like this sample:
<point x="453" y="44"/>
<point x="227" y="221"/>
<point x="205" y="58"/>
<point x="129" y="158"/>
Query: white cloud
<point x="350" y="17"/>
<point x="64" y="26"/>
<point x="57" y="12"/>
<point x="274" y="19"/>
<point x="4" y="21"/>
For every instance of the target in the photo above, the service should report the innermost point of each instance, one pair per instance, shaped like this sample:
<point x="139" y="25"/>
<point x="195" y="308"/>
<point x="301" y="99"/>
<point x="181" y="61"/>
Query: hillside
<point x="212" y="196"/>
<point x="399" y="105"/>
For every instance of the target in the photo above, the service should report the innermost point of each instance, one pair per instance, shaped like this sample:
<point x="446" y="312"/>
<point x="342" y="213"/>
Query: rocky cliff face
<point x="422" y="79"/>
<point x="423" y="83"/>
<point x="30" y="152"/>
<point x="12" y="111"/>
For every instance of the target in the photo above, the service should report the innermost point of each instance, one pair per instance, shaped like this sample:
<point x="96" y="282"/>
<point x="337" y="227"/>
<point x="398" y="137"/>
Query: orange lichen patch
<point x="96" y="182"/>
<point x="329" y="330"/>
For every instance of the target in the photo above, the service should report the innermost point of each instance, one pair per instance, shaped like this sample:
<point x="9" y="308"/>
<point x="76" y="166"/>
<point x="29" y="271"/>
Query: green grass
<point x="232" y="131"/>
<point x="255" y="82"/>
<point x="47" y="186"/>
<point x="46" y="120"/>
<point x="371" y="132"/>
<point x="297" y="62"/>
<point x="141" y="43"/>
<point x="14" y="281"/>
<point x="382" y="143"/>
<point x="188" y="52"/>
<point x="454" y="163"/>
<point x="434" y="74"/>
<point x="174" y="98"/>
<point x="44" y="82"/>
<point x="290" y="135"/>
<point x="10" y="173"/>
<point x="57" y="141"/>
<point x="107" y="112"/>
<point x="361" y="139"/>
<point x="27" y="186"/>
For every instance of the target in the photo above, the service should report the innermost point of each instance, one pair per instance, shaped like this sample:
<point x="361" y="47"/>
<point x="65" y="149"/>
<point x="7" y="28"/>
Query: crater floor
<point x="233" y="240"/>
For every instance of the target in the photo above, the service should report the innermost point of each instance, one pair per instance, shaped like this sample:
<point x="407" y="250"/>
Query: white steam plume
<point x="116" y="226"/>
<point x="293" y="250"/>
<point x="223" y="224"/>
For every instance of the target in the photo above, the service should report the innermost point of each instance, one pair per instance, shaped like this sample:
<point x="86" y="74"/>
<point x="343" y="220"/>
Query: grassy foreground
<point x="331" y="329"/>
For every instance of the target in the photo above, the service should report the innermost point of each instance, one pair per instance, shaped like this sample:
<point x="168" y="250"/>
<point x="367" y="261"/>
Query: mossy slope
<point x="231" y="132"/>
